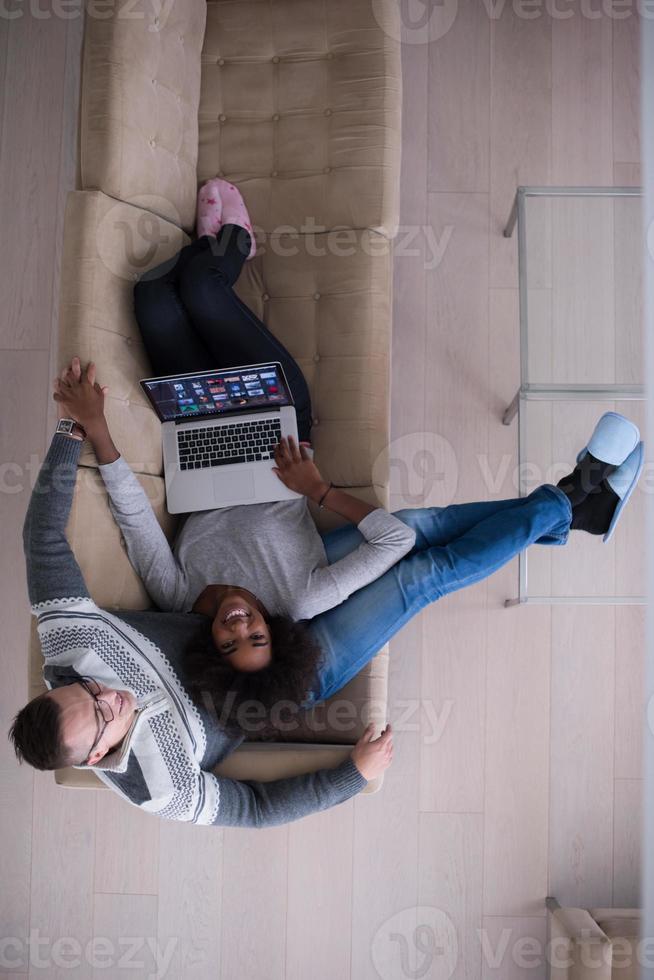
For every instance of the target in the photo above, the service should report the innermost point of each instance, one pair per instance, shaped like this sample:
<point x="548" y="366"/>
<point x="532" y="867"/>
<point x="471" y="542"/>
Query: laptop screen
<point x="218" y="392"/>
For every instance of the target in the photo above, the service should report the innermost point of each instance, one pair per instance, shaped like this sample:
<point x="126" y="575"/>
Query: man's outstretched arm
<point x="52" y="570"/>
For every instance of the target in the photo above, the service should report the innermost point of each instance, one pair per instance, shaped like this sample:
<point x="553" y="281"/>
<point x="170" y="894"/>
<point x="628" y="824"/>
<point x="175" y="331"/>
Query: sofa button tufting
<point x="153" y="142"/>
<point x="275" y="60"/>
<point x="221" y="62"/>
<point x="315" y="421"/>
<point x="220" y="174"/>
<point x="276" y="117"/>
<point x="222" y="117"/>
<point x="326" y="170"/>
<point x="316" y="357"/>
<point x="330" y="54"/>
<point x="316" y="295"/>
<point x="328" y="112"/>
<point x="273" y="173"/>
<point x="265" y="297"/>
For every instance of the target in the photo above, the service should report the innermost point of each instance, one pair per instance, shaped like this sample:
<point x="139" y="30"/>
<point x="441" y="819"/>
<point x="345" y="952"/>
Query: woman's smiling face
<point x="240" y="631"/>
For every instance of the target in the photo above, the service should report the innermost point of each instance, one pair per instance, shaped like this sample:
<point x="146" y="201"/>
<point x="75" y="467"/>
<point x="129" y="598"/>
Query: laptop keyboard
<point x="241" y="442"/>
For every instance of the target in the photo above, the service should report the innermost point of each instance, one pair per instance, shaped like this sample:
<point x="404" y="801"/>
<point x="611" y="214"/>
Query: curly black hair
<point x="248" y="702"/>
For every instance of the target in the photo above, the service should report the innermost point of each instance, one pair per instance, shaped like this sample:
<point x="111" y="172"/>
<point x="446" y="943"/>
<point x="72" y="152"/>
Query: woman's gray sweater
<point x="274" y="550"/>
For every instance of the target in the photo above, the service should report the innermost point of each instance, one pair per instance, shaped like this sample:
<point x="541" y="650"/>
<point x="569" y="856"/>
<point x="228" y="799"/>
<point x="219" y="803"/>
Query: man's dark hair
<point x="36" y="735"/>
<point x="288" y="677"/>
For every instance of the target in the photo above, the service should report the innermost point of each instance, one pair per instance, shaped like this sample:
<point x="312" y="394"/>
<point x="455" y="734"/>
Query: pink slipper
<point x="221" y="203"/>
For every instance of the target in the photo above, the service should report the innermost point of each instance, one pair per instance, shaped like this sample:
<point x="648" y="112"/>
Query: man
<point x="118" y="700"/>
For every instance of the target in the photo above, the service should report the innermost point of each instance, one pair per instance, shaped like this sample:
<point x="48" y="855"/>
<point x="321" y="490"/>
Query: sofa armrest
<point x="578" y="949"/>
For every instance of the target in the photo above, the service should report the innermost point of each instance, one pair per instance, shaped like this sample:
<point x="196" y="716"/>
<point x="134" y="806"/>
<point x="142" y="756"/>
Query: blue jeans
<point x="455" y="546"/>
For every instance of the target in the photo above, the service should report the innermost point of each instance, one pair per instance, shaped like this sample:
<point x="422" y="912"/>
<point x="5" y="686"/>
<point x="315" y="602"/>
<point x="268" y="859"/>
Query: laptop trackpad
<point x="233" y="486"/>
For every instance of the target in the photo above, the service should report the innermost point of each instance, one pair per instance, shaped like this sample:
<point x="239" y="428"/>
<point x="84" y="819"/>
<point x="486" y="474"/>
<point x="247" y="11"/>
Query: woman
<point x="279" y="569"/>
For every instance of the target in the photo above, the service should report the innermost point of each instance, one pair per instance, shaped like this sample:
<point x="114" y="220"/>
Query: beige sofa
<point x="298" y="102"/>
<point x="593" y="944"/>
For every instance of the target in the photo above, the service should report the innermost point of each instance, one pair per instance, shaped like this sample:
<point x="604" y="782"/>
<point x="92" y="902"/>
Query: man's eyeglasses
<point x="102" y="708"/>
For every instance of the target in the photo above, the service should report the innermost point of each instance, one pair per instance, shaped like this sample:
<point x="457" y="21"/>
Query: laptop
<point x="219" y="432"/>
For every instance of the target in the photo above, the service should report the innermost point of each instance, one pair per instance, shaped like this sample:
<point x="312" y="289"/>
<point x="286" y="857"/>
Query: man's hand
<point x="79" y="396"/>
<point x="297" y="470"/>
<point x="371" y="755"/>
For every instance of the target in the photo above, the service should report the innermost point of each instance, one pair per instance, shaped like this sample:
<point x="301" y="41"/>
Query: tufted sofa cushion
<point x="139" y="104"/>
<point x="333" y="314"/>
<point x="300" y="105"/>
<point x="107" y="247"/>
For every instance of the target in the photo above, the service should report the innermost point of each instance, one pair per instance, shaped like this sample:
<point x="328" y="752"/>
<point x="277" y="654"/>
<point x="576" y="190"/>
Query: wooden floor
<point x="517" y="770"/>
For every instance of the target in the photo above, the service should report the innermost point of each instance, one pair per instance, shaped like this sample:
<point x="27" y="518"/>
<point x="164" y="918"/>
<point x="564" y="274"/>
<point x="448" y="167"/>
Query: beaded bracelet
<point x="324" y="495"/>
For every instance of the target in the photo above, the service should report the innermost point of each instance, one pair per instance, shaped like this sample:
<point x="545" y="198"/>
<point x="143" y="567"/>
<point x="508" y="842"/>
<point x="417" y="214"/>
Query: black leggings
<point x="191" y="319"/>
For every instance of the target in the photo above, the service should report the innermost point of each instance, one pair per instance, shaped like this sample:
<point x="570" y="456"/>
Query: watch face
<point x="65" y="425"/>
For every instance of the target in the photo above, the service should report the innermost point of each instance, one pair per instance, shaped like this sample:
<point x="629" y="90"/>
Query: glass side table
<point x="581" y="354"/>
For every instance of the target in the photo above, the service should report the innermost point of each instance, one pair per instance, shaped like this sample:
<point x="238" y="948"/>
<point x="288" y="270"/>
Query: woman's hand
<point x="79" y="396"/>
<point x="371" y="755"/>
<point x="297" y="470"/>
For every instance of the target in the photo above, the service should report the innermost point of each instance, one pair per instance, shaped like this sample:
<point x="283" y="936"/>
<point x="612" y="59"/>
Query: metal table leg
<point x="512" y="410"/>
<point x="513" y="217"/>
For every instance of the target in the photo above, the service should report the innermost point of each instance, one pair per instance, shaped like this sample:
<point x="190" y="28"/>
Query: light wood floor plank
<point x="16" y="790"/>
<point x="127" y="848"/>
<point x="456" y="408"/>
<point x="454" y="695"/>
<point x="582" y="740"/>
<point x="517" y="756"/>
<point x="21" y="438"/>
<point x="126" y="928"/>
<point x="514" y="948"/>
<point x="450" y="891"/>
<point x="627" y="843"/>
<point x="319" y="923"/>
<point x="459" y="77"/>
<point x="582" y="99"/>
<point x="520" y="131"/>
<point x="30" y="180"/>
<point x="63" y="854"/>
<point x="626" y="88"/>
<point x="629" y="691"/>
<point x="190" y="898"/>
<point x="627" y="175"/>
<point x="255" y="864"/>
<point x="628" y="308"/>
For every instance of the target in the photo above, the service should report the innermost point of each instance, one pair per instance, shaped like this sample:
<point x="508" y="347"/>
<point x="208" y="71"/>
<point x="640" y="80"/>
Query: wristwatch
<point x="69" y="427"/>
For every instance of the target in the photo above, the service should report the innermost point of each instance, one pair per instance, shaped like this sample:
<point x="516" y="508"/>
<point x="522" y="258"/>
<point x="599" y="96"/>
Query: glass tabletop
<point x="581" y="286"/>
